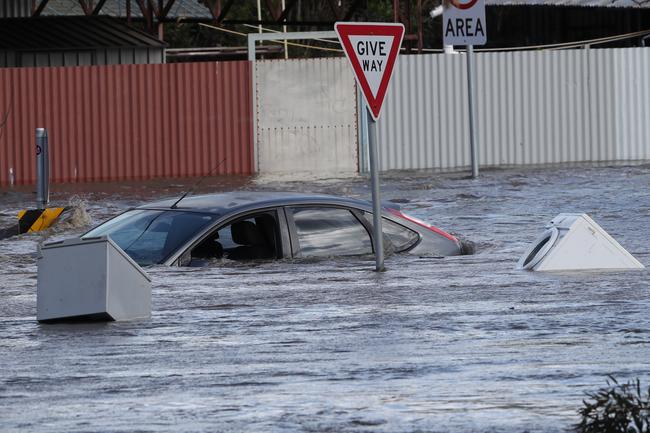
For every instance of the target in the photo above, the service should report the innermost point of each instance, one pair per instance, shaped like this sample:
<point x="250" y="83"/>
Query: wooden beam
<point x="167" y="8"/>
<point x="214" y="8"/>
<point x="40" y="8"/>
<point x="224" y="10"/>
<point x="152" y="7"/>
<point x="86" y="7"/>
<point x="353" y="8"/>
<point x="147" y="13"/>
<point x="335" y="9"/>
<point x="275" y="9"/>
<point x="99" y="7"/>
<point x="287" y="9"/>
<point x="143" y="8"/>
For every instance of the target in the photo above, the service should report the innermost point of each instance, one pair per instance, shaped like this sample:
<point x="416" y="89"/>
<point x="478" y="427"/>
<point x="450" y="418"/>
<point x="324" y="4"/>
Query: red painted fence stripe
<point x="127" y="122"/>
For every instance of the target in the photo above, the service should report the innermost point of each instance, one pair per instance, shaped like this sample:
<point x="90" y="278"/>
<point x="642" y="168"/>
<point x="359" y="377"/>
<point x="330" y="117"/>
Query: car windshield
<point x="150" y="236"/>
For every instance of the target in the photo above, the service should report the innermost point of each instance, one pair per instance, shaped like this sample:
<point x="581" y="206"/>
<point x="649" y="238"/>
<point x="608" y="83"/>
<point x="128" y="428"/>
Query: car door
<point x="327" y="231"/>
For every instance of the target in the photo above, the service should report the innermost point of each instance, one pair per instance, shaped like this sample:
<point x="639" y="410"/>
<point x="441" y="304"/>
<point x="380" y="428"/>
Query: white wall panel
<point x="306" y="117"/>
<point x="532" y="108"/>
<point x="632" y="88"/>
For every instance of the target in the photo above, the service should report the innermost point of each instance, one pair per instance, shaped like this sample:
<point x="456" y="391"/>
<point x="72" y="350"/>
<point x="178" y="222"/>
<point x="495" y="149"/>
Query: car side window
<point x="329" y="232"/>
<point x="401" y="238"/>
<point x="254" y="237"/>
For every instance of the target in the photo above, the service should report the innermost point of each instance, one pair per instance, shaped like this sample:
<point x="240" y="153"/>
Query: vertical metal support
<point x="284" y="30"/>
<point x="42" y="169"/>
<point x="363" y="132"/>
<point x="376" y="195"/>
<point x="472" y="125"/>
<point x="420" y="15"/>
<point x="251" y="59"/>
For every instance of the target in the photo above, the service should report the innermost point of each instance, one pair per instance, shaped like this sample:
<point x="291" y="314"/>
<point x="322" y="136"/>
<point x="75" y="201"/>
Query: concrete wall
<point x="306" y="117"/>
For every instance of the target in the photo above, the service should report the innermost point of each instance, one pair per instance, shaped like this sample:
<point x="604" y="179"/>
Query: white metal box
<point x="90" y="279"/>
<point x="575" y="242"/>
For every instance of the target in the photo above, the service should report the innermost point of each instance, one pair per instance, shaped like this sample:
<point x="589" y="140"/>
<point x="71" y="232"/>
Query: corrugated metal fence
<point x="533" y="108"/>
<point x="143" y="121"/>
<point x="127" y="122"/>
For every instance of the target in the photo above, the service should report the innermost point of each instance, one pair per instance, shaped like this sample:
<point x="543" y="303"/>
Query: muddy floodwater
<point x="458" y="344"/>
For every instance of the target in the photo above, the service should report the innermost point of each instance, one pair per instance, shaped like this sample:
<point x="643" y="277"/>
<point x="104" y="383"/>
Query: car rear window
<point x="150" y="236"/>
<point x="401" y="237"/>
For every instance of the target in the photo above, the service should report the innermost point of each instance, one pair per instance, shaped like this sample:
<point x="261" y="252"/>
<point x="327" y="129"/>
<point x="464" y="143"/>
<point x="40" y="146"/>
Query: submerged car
<point x="197" y="230"/>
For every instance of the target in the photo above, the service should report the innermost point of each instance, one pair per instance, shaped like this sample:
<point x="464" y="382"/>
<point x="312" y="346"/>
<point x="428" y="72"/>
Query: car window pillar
<point x="293" y="232"/>
<point x="285" y="235"/>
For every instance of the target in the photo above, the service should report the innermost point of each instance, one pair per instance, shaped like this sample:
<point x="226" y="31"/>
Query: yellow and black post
<point x="35" y="220"/>
<point x="41" y="218"/>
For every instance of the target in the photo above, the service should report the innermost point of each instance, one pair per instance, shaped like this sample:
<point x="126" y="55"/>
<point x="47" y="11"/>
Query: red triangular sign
<point x="372" y="49"/>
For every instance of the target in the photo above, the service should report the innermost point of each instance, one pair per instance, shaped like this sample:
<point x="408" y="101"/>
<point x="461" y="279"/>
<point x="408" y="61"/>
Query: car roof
<point x="230" y="202"/>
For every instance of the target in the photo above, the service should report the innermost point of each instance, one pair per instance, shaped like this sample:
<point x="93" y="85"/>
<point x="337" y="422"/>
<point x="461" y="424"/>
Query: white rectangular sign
<point x="463" y="22"/>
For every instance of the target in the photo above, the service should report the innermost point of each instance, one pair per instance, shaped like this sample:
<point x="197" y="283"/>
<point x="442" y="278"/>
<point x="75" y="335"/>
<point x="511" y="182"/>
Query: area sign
<point x="463" y="22"/>
<point x="372" y="49"/>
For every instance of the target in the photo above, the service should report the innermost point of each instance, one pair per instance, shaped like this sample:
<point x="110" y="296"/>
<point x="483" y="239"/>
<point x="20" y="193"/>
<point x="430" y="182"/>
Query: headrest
<point x="209" y="248"/>
<point x="246" y="233"/>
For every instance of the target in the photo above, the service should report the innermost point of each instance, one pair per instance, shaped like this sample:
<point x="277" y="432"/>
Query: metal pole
<point x="472" y="127"/>
<point x="284" y="30"/>
<point x="376" y="195"/>
<point x="364" y="166"/>
<point x="42" y="169"/>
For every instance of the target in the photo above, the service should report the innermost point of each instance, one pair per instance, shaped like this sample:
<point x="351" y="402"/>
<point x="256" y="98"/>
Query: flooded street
<point x="457" y="344"/>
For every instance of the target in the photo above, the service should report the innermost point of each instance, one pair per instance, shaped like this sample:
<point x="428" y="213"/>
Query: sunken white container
<point x="90" y="279"/>
<point x="574" y="242"/>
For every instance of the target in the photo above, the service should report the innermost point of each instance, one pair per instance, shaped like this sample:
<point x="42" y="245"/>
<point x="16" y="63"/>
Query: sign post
<point x="376" y="192"/>
<point x="463" y="23"/>
<point x="470" y="101"/>
<point x="372" y="49"/>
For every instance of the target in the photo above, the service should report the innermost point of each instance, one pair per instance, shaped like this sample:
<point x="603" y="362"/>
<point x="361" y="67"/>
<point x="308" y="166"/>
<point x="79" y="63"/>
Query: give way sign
<point x="372" y="49"/>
